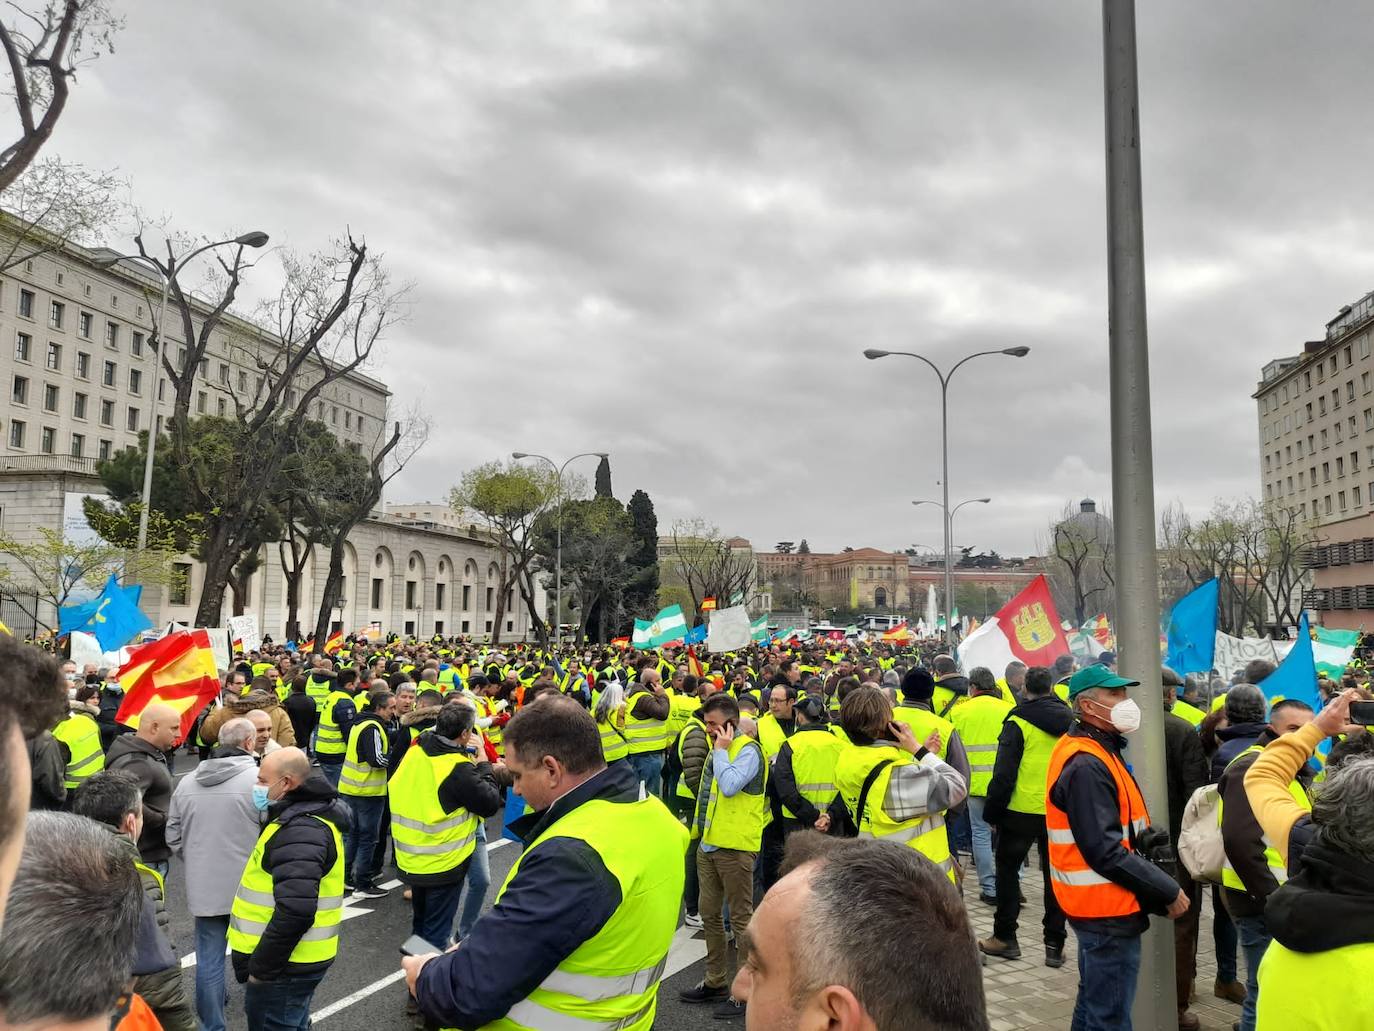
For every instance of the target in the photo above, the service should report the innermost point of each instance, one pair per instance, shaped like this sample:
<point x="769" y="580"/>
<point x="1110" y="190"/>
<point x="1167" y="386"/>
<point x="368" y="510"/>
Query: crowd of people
<point x="809" y="807"/>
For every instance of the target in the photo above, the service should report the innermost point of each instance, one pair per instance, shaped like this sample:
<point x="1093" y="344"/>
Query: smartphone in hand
<point x="417" y="946"/>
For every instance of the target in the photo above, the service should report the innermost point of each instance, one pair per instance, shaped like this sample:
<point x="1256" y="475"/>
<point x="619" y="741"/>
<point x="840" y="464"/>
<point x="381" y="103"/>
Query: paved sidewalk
<point x="1026" y="995"/>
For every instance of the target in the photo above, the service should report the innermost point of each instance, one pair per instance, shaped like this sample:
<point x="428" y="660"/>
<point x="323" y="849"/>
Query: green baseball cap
<point x="1097" y="676"/>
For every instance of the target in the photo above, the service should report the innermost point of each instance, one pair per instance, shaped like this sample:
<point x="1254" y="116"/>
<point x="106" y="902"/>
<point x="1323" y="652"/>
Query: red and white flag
<point x="1025" y="628"/>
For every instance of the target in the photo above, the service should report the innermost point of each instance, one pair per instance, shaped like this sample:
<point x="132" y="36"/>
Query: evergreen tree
<point x="603" y="478"/>
<point x="641" y="595"/>
<point x="803" y="548"/>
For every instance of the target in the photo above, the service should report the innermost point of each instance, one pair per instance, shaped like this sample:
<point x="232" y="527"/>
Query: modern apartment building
<point x="82" y="383"/>
<point x="1316" y="433"/>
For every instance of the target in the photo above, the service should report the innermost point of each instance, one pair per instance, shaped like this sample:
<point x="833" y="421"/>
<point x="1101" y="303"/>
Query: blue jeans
<point x="432" y="908"/>
<point x="331" y="772"/>
<point x="478" y="880"/>
<point x="361" y="838"/>
<point x="1254" y="939"/>
<point x="212" y="934"/>
<point x="1107" y="972"/>
<point x="163" y="868"/>
<point x="982" y="847"/>
<point x="280" y="1005"/>
<point x="1223" y="938"/>
<point x="648" y="768"/>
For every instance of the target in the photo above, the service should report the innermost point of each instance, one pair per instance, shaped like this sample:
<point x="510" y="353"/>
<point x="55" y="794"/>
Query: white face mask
<point x="1125" y="716"/>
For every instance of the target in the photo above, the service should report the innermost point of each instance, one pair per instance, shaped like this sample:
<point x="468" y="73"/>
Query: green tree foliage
<point x="598" y="539"/>
<point x="641" y="592"/>
<point x="603" y="478"/>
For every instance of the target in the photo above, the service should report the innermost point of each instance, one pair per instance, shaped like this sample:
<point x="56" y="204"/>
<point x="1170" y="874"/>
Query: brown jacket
<point x="282" y="731"/>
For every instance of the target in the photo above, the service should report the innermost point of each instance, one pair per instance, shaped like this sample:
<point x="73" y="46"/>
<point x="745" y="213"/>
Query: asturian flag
<point x="1026" y="628"/>
<point x="668" y="626"/>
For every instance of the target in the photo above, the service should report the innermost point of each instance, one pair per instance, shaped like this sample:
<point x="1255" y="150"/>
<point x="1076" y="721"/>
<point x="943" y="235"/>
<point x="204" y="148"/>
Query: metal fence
<point x="17" y="613"/>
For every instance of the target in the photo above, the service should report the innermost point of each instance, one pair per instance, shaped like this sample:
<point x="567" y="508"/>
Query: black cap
<point x="918" y="685"/>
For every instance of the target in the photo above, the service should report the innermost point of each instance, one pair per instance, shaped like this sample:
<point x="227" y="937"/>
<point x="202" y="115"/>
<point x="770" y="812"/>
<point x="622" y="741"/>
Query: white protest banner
<point x="729" y="630"/>
<point x="1232" y="653"/>
<point x="219" y="647"/>
<point x="245" y="629"/>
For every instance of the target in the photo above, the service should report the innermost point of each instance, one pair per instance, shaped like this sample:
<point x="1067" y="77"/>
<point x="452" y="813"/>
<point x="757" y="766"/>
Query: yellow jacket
<point x="1267" y="780"/>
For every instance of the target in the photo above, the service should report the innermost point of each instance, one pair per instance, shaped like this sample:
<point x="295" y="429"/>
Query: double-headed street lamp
<point x="558" y="545"/>
<point x="254" y="239"/>
<point x="944" y="377"/>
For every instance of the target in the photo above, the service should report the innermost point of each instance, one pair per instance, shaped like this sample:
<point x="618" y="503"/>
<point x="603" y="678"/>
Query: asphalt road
<point x="365" y="989"/>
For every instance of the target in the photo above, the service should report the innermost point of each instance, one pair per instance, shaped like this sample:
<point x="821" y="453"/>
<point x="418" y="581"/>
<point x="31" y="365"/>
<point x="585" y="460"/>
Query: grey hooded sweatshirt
<point x="213" y="826"/>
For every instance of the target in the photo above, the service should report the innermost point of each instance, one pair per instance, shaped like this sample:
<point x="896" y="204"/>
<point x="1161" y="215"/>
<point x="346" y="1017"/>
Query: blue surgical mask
<point x="260" y="798"/>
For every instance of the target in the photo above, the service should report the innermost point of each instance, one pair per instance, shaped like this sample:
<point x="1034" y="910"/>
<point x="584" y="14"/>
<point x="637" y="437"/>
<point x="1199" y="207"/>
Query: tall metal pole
<point x="944" y="483"/>
<point x="558" y="562"/>
<point x="1133" y="503"/>
<point x="152" y="419"/>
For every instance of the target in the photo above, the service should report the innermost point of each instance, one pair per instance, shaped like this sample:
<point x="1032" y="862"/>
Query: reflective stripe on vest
<point x="1037" y="746"/>
<point x="427" y="839"/>
<point x="644" y="735"/>
<point x="979" y="722"/>
<point x="1080" y="890"/>
<point x="926" y="834"/>
<point x="613" y="741"/>
<point x="81" y="734"/>
<point x="254" y="904"/>
<point x="642" y="846"/>
<point x="771" y="735"/>
<point x="318" y="690"/>
<point x="814" y="755"/>
<point x="358" y="778"/>
<point x="328" y="735"/>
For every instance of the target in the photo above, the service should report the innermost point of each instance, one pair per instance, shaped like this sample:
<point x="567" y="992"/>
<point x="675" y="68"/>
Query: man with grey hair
<point x="810" y="955"/>
<point x="1245" y="708"/>
<point x="1014" y="679"/>
<point x="65" y="965"/>
<point x="212" y="824"/>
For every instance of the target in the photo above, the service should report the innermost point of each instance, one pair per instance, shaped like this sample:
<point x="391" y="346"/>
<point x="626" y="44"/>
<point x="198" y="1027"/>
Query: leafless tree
<point x="1081" y="572"/>
<point x="44" y="44"/>
<point x="706" y="565"/>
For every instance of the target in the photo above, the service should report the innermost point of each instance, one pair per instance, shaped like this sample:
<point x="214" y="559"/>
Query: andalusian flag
<point x="176" y="670"/>
<point x="758" y="629"/>
<point x="668" y="626"/>
<point x="334" y="643"/>
<point x="708" y="604"/>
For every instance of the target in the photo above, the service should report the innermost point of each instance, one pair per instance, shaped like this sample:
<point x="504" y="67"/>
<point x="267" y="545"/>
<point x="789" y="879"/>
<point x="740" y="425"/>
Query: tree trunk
<point x="294" y="572"/>
<point x="541" y="627"/>
<point x="236" y="599"/>
<point x="332" y="584"/>
<point x="503" y="585"/>
<point x="219" y="555"/>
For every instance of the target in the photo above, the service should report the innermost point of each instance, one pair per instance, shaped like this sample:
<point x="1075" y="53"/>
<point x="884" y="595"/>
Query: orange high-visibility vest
<point x="1082" y="891"/>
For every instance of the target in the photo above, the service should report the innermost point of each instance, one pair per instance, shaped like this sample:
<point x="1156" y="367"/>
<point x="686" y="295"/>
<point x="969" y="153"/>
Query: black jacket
<point x="782" y="782"/>
<point x="373" y="742"/>
<point x="1328" y="904"/>
<point x="148" y="766"/>
<point x="300" y="709"/>
<point x="1185" y="765"/>
<point x="562" y="896"/>
<point x="418" y="720"/>
<point x="470" y="786"/>
<point x="1086" y="792"/>
<point x="298" y="857"/>
<point x="1231" y="741"/>
<point x="1047" y="713"/>
<point x="1242" y="836"/>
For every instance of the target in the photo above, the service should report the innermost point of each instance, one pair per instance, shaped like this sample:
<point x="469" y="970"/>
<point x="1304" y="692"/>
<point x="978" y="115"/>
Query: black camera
<point x="1155" y="845"/>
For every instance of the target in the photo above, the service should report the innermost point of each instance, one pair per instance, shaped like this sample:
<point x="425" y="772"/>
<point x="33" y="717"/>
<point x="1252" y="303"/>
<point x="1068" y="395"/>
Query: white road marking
<point x="686" y="949"/>
<point x="492" y="846"/>
<point x="358" y="996"/>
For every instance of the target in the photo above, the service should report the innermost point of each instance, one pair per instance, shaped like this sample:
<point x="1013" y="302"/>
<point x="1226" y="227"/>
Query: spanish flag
<point x="334" y="643"/>
<point x="708" y="604"/>
<point x="694" y="664"/>
<point x="176" y="670"/>
<point x="620" y="642"/>
<point x="900" y="632"/>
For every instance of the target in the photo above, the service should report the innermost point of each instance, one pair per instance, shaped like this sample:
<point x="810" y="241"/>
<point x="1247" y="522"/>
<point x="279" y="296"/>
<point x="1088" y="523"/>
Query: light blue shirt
<point x="732" y="777"/>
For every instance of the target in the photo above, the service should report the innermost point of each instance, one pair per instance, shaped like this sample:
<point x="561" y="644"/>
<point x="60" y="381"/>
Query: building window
<point x="83" y="365"/>
<point x="488" y="630"/>
<point x="203" y="368"/>
<point x="56" y="312"/>
<point x="1326" y="502"/>
<point x="467" y="597"/>
<point x="1325" y="440"/>
<point x="107" y="413"/>
<point x="1350" y="388"/>
<point x="1321" y="405"/>
<point x="221" y="407"/>
<point x="103" y="450"/>
<point x="1355" y="496"/>
<point x="83" y="325"/>
<point x="377" y="592"/>
<point x="200" y="402"/>
<point x="224" y="374"/>
<point x="78" y="445"/>
<point x="243" y="380"/>
<point x="16" y="433"/>
<point x="491" y="602"/>
<point x="50" y="397"/>
<point x="78" y="406"/>
<point x="26" y="303"/>
<point x="410" y="594"/>
<point x="180" y="588"/>
<point x="110" y="375"/>
<point x="334" y="414"/>
<point x="466" y="627"/>
<point x="131" y="419"/>
<point x="23" y="346"/>
<point x="54" y="356"/>
<point x="19" y="393"/>
<point x="1340" y="500"/>
<point x="1326" y="472"/>
<point x="360" y="424"/>
<point x="439" y="597"/>
<point x="47" y="442"/>
<point x="112" y="334"/>
<point x="1340" y="467"/>
<point x="136" y="345"/>
<point x="135" y="381"/>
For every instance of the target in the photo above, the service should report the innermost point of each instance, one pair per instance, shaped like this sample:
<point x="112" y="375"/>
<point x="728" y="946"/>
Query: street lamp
<point x="107" y="261"/>
<point x="872" y="353"/>
<point x="558" y="540"/>
<point x="948" y="545"/>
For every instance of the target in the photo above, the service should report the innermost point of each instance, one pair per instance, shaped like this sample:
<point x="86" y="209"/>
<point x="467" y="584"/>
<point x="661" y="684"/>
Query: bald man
<point x="263" y="744"/>
<point x="146" y="756"/>
<point x="285" y="917"/>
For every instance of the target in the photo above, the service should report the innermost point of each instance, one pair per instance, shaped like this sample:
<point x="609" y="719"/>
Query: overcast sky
<point x="669" y="229"/>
